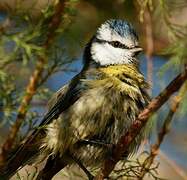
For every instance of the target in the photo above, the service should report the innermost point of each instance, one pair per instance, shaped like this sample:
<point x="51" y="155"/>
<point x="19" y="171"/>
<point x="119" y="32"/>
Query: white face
<point x="104" y="51"/>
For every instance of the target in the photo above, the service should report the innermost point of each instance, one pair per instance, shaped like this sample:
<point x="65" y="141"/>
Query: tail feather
<point x="52" y="167"/>
<point x="17" y="160"/>
<point x="23" y="155"/>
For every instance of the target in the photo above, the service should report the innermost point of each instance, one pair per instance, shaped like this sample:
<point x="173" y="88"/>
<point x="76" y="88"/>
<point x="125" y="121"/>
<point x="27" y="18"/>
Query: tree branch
<point x="161" y="135"/>
<point x="137" y="125"/>
<point x="33" y="82"/>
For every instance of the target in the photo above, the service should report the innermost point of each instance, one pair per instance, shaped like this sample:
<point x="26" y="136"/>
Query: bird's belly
<point x="91" y="155"/>
<point x="83" y="119"/>
<point x="93" y="117"/>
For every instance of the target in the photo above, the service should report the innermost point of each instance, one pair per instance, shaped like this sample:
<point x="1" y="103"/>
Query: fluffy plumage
<point x="98" y="105"/>
<point x="111" y="98"/>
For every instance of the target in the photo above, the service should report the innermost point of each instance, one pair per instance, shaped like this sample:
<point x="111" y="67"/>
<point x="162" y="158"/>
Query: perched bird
<point x="88" y="115"/>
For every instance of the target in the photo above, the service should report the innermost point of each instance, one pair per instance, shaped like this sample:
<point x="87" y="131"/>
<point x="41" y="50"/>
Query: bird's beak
<point x="137" y="50"/>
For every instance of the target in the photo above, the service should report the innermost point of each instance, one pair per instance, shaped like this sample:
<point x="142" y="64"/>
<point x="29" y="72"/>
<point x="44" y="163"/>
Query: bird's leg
<point x="109" y="146"/>
<point x="77" y="161"/>
<point x="98" y="143"/>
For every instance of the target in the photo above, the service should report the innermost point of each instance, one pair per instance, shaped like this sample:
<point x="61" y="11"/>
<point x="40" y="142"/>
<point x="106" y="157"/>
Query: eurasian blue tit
<point x="90" y="113"/>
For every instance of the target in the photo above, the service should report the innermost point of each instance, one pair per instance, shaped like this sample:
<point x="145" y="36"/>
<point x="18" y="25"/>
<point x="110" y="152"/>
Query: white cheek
<point x="105" y="54"/>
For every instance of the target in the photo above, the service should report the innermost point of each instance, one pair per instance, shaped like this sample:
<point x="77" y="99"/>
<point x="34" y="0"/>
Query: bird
<point x="88" y="115"/>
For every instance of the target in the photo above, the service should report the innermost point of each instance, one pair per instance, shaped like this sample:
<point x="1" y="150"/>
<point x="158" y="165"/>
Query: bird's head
<point x="115" y="42"/>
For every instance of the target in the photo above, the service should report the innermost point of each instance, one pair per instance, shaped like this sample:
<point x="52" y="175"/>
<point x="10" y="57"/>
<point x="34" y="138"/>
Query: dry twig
<point x="161" y="135"/>
<point x="33" y="83"/>
<point x="149" y="45"/>
<point x="144" y="8"/>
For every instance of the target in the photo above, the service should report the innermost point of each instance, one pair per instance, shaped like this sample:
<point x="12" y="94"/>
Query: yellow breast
<point x="127" y="72"/>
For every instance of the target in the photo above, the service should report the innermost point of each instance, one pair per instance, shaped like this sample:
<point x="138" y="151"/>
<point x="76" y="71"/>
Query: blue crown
<point x="123" y="28"/>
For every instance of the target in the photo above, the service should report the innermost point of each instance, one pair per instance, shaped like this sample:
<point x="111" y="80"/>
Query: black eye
<point x="116" y="44"/>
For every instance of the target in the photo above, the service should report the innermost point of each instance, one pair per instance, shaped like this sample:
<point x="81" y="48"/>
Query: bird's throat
<point x="121" y="72"/>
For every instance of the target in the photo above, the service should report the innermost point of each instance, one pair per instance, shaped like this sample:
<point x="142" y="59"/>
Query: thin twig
<point x="137" y="125"/>
<point x="161" y="135"/>
<point x="34" y="80"/>
<point x="149" y="46"/>
<point x="145" y="17"/>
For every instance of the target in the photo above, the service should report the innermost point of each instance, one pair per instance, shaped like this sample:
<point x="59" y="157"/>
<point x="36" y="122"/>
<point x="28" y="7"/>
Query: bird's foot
<point x="98" y="143"/>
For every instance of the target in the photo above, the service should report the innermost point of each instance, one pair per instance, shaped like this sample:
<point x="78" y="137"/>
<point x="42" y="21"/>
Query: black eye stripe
<point x="117" y="44"/>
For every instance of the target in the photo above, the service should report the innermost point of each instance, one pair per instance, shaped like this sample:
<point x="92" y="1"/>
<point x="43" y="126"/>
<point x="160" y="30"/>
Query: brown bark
<point x="143" y="117"/>
<point x="161" y="135"/>
<point x="33" y="82"/>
